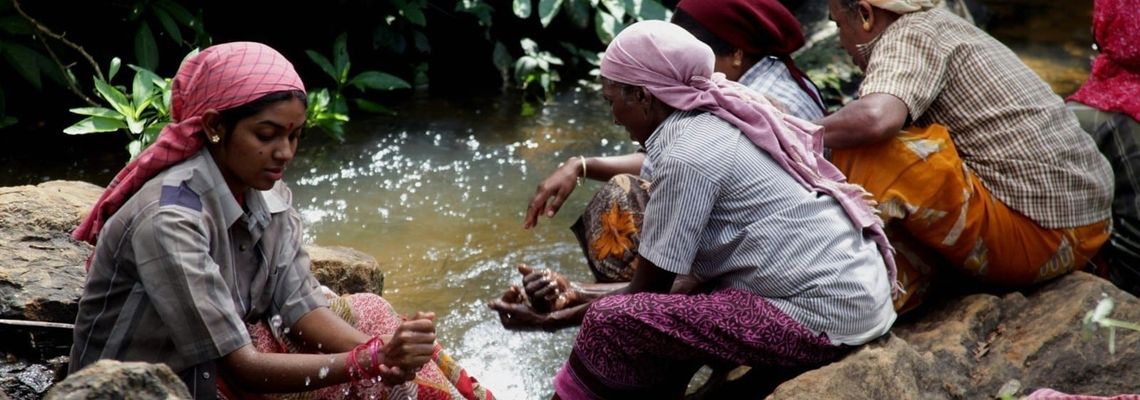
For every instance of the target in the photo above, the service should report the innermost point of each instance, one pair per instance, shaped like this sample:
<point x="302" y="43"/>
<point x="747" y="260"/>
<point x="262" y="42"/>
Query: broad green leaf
<point x="579" y="11"/>
<point x="151" y="132"/>
<point x="168" y="24"/>
<point x="141" y="91"/>
<point x="95" y="124"/>
<point x="502" y="58"/>
<point x="421" y="42"/>
<point x="372" y="107"/>
<point x="134" y="147"/>
<point x="524" y="66"/>
<point x="617" y="8"/>
<point x="146" y="50"/>
<point x="15" y="25"/>
<point x="653" y="10"/>
<point x="179" y="13"/>
<point x="148" y="76"/>
<point x="521" y="8"/>
<point x="378" y="81"/>
<point x="135" y="125"/>
<point x="324" y="63"/>
<point x="606" y="26"/>
<point x="478" y="8"/>
<point x="116" y="63"/>
<point x="340" y="57"/>
<point x="23" y="60"/>
<point x="97" y="112"/>
<point x="414" y="14"/>
<point x="529" y="47"/>
<point x="114" y="97"/>
<point x="547" y="10"/>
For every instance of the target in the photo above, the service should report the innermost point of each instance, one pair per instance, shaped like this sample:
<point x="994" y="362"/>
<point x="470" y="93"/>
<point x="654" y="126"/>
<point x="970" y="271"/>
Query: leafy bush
<point x="328" y="109"/>
<point x="142" y="112"/>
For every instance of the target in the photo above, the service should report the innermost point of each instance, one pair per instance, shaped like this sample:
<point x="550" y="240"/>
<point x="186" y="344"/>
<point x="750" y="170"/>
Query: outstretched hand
<point x="515" y="312"/>
<point x="551" y="193"/>
<point x="547" y="290"/>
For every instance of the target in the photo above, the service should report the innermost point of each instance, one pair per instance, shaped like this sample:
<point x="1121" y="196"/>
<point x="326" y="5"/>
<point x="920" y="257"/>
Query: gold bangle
<point x="583" y="159"/>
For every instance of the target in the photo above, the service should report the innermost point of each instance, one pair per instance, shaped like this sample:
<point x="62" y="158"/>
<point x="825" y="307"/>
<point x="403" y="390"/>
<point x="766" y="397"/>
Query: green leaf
<point x="116" y="63"/>
<point x="414" y="14"/>
<point x="23" y="60"/>
<point x="378" y="81"/>
<point x="114" y="97"/>
<point x="168" y="24"/>
<point x="478" y="8"/>
<point x="547" y="10"/>
<point x="95" y="124"/>
<point x="372" y="107"/>
<point x="141" y="91"/>
<point x="149" y="76"/>
<point x="653" y="10"/>
<point x="324" y="63"/>
<point x="502" y="58"/>
<point x="97" y="112"/>
<point x="146" y="50"/>
<point x="606" y="26"/>
<point x="521" y="8"/>
<point x="579" y="11"/>
<point x="421" y="42"/>
<point x="15" y="25"/>
<point x="151" y="132"/>
<point x="617" y="8"/>
<point x="179" y="13"/>
<point x="340" y="57"/>
<point x="529" y="47"/>
<point x="134" y="147"/>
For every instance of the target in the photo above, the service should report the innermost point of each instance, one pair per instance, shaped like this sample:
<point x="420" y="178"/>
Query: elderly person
<point x="1108" y="107"/>
<point x="792" y="263"/>
<point x="973" y="160"/>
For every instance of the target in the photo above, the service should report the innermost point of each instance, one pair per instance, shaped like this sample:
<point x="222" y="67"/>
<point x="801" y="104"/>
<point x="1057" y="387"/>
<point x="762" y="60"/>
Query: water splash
<point x="323" y="373"/>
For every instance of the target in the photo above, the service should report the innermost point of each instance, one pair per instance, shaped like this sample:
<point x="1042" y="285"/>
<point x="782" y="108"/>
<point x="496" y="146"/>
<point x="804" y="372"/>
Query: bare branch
<point x="71" y="84"/>
<point x="43" y="29"/>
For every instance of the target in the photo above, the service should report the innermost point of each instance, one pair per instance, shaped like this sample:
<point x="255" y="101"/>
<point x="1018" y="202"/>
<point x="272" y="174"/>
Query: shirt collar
<point x="260" y="208"/>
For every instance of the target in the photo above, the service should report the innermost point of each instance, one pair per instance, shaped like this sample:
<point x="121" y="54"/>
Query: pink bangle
<point x="352" y="365"/>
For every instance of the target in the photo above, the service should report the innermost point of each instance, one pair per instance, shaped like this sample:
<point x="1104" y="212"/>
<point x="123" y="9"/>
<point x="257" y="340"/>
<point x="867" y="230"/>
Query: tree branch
<point x="71" y="83"/>
<point x="43" y="29"/>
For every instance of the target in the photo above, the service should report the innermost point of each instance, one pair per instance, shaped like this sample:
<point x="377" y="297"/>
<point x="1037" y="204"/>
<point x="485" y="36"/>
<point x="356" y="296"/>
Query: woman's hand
<point x="515" y="313"/>
<point x="548" y="290"/>
<point x="409" y="349"/>
<point x="553" y="191"/>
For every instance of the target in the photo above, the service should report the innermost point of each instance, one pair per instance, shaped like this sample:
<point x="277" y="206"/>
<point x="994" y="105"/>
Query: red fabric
<point x="1114" y="84"/>
<point x="220" y="77"/>
<point x="758" y="27"/>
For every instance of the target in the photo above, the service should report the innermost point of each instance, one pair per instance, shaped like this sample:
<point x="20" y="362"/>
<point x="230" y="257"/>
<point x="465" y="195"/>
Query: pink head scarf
<point x="220" y="77"/>
<point x="1114" y="84"/>
<point x="678" y="70"/>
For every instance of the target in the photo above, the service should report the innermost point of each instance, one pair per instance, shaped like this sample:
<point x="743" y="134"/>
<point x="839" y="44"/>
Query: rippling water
<point x="437" y="195"/>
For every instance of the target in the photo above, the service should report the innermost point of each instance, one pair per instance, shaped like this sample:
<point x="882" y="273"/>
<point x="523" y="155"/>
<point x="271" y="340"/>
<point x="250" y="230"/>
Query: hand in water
<point x="547" y="290"/>
<point x="409" y="349"/>
<point x="515" y="312"/>
<point x="552" y="192"/>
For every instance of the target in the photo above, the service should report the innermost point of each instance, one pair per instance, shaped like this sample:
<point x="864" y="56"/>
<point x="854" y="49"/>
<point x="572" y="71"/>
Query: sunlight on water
<point x="437" y="195"/>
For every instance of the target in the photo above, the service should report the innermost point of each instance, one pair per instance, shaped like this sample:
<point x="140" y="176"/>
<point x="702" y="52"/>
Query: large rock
<point x="41" y="267"/>
<point x="109" y="379"/>
<point x="973" y="346"/>
<point x="346" y="270"/>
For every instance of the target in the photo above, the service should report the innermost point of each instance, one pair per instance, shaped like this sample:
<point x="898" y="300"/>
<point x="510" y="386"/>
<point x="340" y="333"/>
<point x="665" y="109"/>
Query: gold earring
<point x="214" y="139"/>
<point x="736" y="62"/>
<point x="867" y="25"/>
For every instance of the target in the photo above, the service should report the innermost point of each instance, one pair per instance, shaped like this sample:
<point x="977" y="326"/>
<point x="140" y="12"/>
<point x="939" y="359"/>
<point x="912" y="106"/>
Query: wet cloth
<point x="1007" y="124"/>
<point x="181" y="268"/>
<point x="934" y="204"/>
<point x="440" y="379"/>
<point x="647" y="345"/>
<point x="678" y="70"/>
<point x="220" y="77"/>
<point x="1115" y="79"/>
<point x="1118" y="137"/>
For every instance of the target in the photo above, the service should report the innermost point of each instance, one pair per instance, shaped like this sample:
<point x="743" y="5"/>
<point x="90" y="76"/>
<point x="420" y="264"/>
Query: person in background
<point x="972" y="158"/>
<point x="198" y="262"/>
<point x="791" y="263"/>
<point x="752" y="42"/>
<point x="1108" y="108"/>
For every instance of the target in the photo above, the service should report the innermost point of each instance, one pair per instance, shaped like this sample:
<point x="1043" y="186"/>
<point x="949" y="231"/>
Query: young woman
<point x="792" y="263"/>
<point x="198" y="261"/>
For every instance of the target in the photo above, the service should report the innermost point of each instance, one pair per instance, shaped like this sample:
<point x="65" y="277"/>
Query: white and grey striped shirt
<point x="724" y="212"/>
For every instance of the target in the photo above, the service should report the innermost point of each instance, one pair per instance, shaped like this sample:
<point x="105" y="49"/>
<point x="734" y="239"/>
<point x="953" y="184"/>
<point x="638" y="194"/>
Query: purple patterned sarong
<point x="648" y="345"/>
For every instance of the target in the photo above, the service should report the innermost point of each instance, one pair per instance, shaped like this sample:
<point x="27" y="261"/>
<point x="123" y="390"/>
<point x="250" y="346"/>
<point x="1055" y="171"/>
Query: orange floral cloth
<point x="609" y="229"/>
<point x="938" y="213"/>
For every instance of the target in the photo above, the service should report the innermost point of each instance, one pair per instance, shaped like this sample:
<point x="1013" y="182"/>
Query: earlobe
<point x="212" y="126"/>
<point x="738" y="58"/>
<point x="867" y="14"/>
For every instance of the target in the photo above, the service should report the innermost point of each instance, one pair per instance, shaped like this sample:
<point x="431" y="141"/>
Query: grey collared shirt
<point x="181" y="268"/>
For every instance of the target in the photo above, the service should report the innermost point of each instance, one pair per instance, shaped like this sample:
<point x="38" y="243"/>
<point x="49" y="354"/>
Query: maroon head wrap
<point x="220" y="77"/>
<point x="757" y="27"/>
<point x="1114" y="84"/>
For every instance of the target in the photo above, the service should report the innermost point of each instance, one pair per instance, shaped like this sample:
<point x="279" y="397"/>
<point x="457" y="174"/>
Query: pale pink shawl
<point x="677" y="69"/>
<point x="219" y="78"/>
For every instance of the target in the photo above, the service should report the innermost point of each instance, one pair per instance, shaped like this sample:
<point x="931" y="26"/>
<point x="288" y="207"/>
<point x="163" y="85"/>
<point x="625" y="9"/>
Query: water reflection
<point x="437" y="195"/>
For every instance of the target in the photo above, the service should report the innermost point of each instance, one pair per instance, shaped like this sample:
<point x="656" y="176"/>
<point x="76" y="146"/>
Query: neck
<point x="232" y="182"/>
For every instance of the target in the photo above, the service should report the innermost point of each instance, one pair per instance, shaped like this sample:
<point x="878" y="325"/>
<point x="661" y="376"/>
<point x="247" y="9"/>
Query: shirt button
<point x="205" y="375"/>
<point x="243" y="247"/>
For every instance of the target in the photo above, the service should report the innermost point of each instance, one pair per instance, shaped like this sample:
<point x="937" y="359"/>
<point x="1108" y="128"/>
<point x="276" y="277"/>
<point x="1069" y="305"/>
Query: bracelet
<point x="357" y="372"/>
<point x="578" y="182"/>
